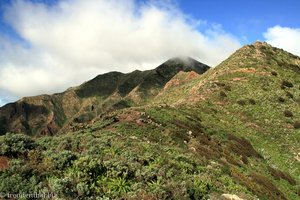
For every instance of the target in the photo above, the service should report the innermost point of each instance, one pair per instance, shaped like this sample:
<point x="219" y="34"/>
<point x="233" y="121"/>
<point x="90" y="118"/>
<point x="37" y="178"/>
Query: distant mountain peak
<point x="182" y="63"/>
<point x="184" y="60"/>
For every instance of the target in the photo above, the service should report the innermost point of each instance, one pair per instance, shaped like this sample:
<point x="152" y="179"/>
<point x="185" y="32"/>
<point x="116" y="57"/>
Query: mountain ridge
<point x="101" y="93"/>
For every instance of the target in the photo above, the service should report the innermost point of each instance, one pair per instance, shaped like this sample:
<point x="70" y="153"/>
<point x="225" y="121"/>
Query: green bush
<point x="63" y="187"/>
<point x="199" y="189"/>
<point x="13" y="145"/>
<point x="83" y="189"/>
<point x="231" y="186"/>
<point x="17" y="184"/>
<point x="118" y="186"/>
<point x="19" y="178"/>
<point x="87" y="168"/>
<point x="79" y="181"/>
<point x="63" y="159"/>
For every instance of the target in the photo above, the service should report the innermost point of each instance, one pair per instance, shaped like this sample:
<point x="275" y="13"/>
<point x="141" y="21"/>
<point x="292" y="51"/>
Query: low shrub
<point x="63" y="187"/>
<point x="118" y="186"/>
<point x="87" y="168"/>
<point x="242" y="102"/>
<point x="274" y="73"/>
<point x="252" y="101"/>
<point x="289" y="95"/>
<point x="62" y="159"/>
<point x="297" y="125"/>
<point x="298" y="191"/>
<point x="19" y="178"/>
<point x="286" y="83"/>
<point x="227" y="88"/>
<point x="223" y="94"/>
<point x="288" y="113"/>
<point x="220" y="84"/>
<point x="281" y="99"/>
<point x="13" y="145"/>
<point x="199" y="189"/>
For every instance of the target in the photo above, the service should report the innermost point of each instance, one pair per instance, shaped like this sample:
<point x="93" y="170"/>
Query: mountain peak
<point x="183" y="60"/>
<point x="182" y="63"/>
<point x="260" y="44"/>
<point x="261" y="55"/>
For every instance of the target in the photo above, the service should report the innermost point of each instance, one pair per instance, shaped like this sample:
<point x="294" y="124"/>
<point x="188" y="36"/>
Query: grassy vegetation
<point x="251" y="95"/>
<point x="233" y="130"/>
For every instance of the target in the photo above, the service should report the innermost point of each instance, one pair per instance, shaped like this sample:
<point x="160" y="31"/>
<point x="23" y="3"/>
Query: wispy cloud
<point x="284" y="37"/>
<point x="74" y="40"/>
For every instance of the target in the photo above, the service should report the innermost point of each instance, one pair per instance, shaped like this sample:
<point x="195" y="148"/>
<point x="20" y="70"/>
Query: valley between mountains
<point x="183" y="130"/>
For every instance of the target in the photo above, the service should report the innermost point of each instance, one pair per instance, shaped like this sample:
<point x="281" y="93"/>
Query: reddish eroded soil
<point x="259" y="184"/>
<point x="4" y="162"/>
<point x="130" y="116"/>
<point x="242" y="147"/>
<point x="243" y="70"/>
<point x="267" y="188"/>
<point x="277" y="174"/>
<point x="182" y="77"/>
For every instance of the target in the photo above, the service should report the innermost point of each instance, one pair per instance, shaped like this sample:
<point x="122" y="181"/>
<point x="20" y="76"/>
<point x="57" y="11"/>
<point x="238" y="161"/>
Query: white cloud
<point x="74" y="40"/>
<point x="284" y="37"/>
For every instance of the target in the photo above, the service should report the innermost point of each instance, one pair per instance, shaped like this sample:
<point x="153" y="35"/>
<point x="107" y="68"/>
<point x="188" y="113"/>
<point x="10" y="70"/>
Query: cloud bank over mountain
<point x="74" y="40"/>
<point x="67" y="42"/>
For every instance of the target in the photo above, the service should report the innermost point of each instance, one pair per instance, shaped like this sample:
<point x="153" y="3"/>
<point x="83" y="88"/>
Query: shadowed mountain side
<point x="106" y="84"/>
<point x="47" y="114"/>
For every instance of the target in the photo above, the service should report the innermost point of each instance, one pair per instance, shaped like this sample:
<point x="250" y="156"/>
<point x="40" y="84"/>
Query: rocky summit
<point x="181" y="131"/>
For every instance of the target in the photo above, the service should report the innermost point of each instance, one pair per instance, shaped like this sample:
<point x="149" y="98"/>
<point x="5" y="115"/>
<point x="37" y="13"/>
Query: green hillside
<point x="233" y="130"/>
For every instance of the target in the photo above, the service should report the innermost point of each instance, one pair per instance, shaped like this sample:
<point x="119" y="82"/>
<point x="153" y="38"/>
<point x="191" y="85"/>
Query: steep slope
<point x="44" y="114"/>
<point x="47" y="114"/>
<point x="255" y="95"/>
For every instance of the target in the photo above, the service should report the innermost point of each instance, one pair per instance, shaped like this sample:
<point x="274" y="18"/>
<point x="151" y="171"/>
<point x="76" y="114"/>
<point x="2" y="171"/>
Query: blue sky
<point x="243" y="18"/>
<point x="47" y="46"/>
